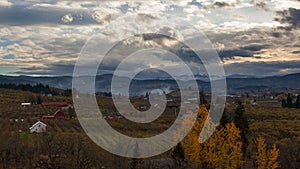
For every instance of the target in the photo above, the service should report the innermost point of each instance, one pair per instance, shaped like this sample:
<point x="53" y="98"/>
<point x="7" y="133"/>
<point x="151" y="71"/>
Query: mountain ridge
<point x="103" y="82"/>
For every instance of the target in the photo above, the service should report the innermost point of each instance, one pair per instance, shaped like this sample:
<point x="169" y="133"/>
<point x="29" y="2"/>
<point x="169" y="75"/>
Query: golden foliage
<point x="224" y="148"/>
<point x="191" y="144"/>
<point x="266" y="159"/>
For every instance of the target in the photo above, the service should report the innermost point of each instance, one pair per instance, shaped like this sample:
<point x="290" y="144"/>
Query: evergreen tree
<point x="202" y="98"/>
<point x="297" y="103"/>
<point x="283" y="103"/>
<point x="71" y="112"/>
<point x="242" y="124"/>
<point x="289" y="101"/>
<point x="225" y="119"/>
<point x="178" y="154"/>
<point x="39" y="100"/>
<point x="147" y="95"/>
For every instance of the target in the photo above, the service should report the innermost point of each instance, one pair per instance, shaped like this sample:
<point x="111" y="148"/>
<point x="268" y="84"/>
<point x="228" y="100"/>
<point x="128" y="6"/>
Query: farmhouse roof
<point x="38" y="123"/>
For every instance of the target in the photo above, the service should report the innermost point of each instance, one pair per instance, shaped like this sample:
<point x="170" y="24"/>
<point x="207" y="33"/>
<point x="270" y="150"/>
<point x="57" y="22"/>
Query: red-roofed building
<point x="57" y="115"/>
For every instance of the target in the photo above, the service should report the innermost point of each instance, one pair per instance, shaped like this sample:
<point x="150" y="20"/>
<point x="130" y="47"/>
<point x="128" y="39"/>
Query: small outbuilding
<point x="38" y="127"/>
<point x="25" y="104"/>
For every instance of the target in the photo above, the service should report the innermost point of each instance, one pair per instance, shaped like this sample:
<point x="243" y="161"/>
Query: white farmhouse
<point x="38" y="127"/>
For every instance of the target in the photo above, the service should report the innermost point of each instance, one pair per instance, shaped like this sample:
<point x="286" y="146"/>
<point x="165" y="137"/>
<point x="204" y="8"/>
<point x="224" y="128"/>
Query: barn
<point x="57" y="115"/>
<point x="60" y="115"/>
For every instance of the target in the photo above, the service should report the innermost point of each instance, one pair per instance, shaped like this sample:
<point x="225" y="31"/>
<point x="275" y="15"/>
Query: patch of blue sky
<point x="195" y="3"/>
<point x="9" y="57"/>
<point x="5" y="42"/>
<point x="88" y="5"/>
<point x="124" y="8"/>
<point x="8" y="70"/>
<point x="37" y="58"/>
<point x="174" y="9"/>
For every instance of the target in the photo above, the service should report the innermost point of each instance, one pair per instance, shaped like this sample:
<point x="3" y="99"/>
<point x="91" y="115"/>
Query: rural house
<point x="38" y="127"/>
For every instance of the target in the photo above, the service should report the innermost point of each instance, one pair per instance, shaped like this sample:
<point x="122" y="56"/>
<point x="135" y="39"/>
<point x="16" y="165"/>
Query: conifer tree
<point x="283" y="103"/>
<point x="225" y="119"/>
<point x="178" y="154"/>
<point x="297" y="103"/>
<point x="289" y="101"/>
<point x="242" y="124"/>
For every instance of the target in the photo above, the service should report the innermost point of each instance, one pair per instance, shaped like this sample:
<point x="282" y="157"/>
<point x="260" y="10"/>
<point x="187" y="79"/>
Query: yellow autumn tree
<point x="191" y="145"/>
<point x="224" y="149"/>
<point x="266" y="159"/>
<point x="261" y="156"/>
<point x="192" y="149"/>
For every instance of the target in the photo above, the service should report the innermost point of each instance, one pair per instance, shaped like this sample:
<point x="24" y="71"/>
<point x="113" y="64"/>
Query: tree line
<point x="289" y="101"/>
<point x="38" y="88"/>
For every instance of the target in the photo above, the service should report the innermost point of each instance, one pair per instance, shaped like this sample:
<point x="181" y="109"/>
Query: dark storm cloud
<point x="291" y="17"/>
<point x="235" y="52"/>
<point x="256" y="39"/>
<point x="296" y="52"/>
<point x="245" y="51"/>
<point x="263" y="68"/>
<point x="60" y="69"/>
<point x="262" y="5"/>
<point x="221" y="4"/>
<point x="64" y="68"/>
<point x="276" y="34"/>
<point x="21" y="15"/>
<point x="255" y="48"/>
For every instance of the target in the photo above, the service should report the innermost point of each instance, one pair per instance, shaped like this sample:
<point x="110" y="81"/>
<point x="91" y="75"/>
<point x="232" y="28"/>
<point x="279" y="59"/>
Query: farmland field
<point x="280" y="126"/>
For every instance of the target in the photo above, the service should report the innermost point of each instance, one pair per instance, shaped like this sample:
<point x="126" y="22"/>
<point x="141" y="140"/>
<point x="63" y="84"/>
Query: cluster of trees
<point x="37" y="88"/>
<point x="34" y="99"/>
<point x="49" y="151"/>
<point x="290" y="103"/>
<point x="106" y="94"/>
<point x="226" y="148"/>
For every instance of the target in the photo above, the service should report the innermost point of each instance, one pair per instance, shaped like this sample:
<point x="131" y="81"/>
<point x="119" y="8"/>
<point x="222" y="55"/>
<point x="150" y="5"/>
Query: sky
<point x="252" y="37"/>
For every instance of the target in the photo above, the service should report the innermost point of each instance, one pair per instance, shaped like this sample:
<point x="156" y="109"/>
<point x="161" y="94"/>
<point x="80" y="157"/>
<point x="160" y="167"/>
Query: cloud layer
<point x="45" y="37"/>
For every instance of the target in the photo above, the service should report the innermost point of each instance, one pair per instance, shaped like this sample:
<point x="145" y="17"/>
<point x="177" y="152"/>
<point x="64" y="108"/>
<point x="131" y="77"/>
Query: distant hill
<point x="103" y="82"/>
